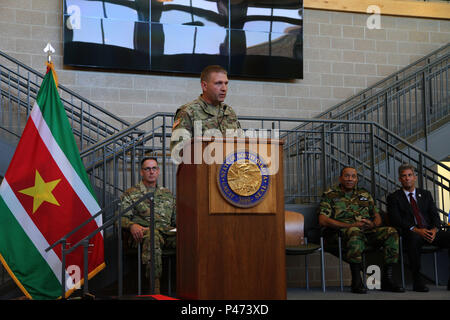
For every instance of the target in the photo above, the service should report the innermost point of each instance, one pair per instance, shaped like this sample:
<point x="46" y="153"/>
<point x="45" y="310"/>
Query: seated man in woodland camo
<point x="352" y="210"/>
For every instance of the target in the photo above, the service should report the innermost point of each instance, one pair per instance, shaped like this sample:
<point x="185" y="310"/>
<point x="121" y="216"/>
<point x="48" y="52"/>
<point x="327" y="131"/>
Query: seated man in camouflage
<point x="137" y="221"/>
<point x="352" y="210"/>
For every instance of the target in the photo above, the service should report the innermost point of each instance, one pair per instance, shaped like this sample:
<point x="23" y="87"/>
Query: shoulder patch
<point x="176" y="123"/>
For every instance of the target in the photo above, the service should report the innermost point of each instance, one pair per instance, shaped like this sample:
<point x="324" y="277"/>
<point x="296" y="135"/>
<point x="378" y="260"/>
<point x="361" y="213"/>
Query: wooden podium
<point x="228" y="251"/>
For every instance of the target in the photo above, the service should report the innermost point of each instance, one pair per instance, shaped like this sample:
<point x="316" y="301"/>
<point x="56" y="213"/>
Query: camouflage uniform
<point x="350" y="208"/>
<point x="221" y="117"/>
<point x="165" y="220"/>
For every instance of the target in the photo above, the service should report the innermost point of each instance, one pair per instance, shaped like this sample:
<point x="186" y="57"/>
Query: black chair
<point x="134" y="252"/>
<point x="168" y="254"/>
<point x="317" y="234"/>
<point x="369" y="249"/>
<point x="303" y="238"/>
<point x="426" y="249"/>
<point x="339" y="252"/>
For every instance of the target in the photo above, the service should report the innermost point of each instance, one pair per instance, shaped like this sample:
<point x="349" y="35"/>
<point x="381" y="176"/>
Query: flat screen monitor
<point x="249" y="38"/>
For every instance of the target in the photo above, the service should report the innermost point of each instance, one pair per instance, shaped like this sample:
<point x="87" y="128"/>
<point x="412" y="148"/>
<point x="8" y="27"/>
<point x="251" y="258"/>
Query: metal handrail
<point x="329" y="112"/>
<point x="32" y="93"/>
<point x="76" y="132"/>
<point x="86" y="239"/>
<point x="382" y="91"/>
<point x="22" y="84"/>
<point x="306" y="121"/>
<point x="367" y="162"/>
<point x="422" y="83"/>
<point x="67" y="90"/>
<point x="325" y="128"/>
<point x="125" y="132"/>
<point x="336" y="125"/>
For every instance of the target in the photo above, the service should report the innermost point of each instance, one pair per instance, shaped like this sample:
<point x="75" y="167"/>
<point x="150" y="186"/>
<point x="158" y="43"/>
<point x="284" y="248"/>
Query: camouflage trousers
<point x="355" y="240"/>
<point x="163" y="240"/>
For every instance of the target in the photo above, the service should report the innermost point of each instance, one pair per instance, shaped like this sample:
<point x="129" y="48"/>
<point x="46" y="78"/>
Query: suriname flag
<point x="44" y="195"/>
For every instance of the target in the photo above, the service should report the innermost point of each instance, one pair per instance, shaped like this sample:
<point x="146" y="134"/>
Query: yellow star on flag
<point x="41" y="191"/>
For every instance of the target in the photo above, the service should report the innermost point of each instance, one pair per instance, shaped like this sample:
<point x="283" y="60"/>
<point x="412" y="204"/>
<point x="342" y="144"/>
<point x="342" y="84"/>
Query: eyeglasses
<point x="150" y="169"/>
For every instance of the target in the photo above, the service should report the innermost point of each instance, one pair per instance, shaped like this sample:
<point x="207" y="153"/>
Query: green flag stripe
<point x="54" y="114"/>
<point x="23" y="259"/>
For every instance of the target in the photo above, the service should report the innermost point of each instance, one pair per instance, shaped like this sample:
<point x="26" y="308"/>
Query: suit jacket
<point x="401" y="214"/>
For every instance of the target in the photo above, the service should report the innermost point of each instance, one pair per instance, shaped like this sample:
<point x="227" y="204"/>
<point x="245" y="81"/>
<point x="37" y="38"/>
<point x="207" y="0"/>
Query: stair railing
<point x="19" y="85"/>
<point x="410" y="102"/>
<point x="312" y="159"/>
<point x="114" y="221"/>
<point x="313" y="156"/>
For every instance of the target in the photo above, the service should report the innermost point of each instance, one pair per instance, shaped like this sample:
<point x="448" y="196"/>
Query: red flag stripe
<point x="24" y="177"/>
<point x="64" y="164"/>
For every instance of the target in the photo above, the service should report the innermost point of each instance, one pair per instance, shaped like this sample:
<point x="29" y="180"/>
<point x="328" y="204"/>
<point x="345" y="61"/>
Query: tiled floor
<point x="334" y="293"/>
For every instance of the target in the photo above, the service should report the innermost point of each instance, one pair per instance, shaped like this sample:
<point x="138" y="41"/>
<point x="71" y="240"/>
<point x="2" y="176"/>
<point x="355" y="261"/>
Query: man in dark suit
<point x="414" y="213"/>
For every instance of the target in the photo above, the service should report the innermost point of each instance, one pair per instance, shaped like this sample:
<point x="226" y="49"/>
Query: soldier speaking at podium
<point x="208" y="109"/>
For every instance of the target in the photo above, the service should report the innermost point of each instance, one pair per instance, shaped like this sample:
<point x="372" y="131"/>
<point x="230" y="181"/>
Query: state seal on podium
<point x="243" y="179"/>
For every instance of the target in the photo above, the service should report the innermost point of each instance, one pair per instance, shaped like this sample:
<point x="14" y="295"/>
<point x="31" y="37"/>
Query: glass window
<point x="119" y="10"/>
<point x="105" y="31"/>
<point x="261" y="38"/>
<point x="279" y="16"/>
<point x="191" y="12"/>
<point x="266" y="54"/>
<point x="192" y="40"/>
<point x="188" y="48"/>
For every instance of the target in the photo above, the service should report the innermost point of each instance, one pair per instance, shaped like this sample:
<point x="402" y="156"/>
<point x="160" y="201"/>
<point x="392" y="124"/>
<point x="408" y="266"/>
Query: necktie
<point x="416" y="211"/>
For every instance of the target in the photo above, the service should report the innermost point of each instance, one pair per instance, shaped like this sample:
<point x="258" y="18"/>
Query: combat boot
<point x="357" y="284"/>
<point x="419" y="283"/>
<point x="157" y="290"/>
<point x="387" y="281"/>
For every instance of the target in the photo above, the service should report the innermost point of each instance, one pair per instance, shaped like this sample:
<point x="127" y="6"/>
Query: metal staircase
<point x="19" y="85"/>
<point x="411" y="102"/>
<point x="313" y="157"/>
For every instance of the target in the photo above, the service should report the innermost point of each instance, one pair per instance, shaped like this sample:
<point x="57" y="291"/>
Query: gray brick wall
<point x="341" y="57"/>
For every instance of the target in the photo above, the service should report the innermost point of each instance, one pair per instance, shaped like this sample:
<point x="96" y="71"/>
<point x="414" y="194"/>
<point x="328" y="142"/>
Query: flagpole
<point x="152" y="243"/>
<point x="49" y="50"/>
<point x="63" y="269"/>
<point x="48" y="140"/>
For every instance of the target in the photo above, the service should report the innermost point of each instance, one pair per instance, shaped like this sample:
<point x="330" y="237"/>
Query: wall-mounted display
<point x="249" y="38"/>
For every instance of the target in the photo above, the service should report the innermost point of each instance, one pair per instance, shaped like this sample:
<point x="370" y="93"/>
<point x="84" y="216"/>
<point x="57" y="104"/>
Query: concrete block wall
<point x="295" y="271"/>
<point x="341" y="57"/>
